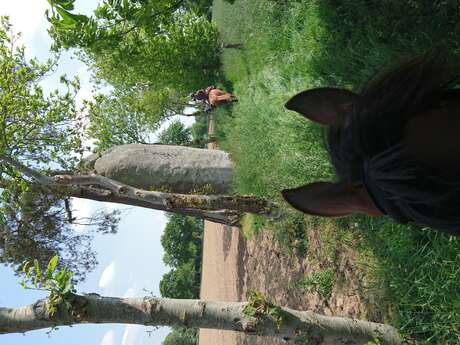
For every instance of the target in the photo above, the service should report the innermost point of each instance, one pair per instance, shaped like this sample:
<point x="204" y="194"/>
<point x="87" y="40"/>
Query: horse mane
<point x="365" y="147"/>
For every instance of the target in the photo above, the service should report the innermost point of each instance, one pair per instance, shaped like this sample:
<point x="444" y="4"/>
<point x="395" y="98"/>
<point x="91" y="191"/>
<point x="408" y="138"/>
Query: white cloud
<point x="30" y="21"/>
<point x="107" y="276"/>
<point x="25" y="20"/>
<point x="132" y="334"/>
<point x="131" y="292"/>
<point x="108" y="338"/>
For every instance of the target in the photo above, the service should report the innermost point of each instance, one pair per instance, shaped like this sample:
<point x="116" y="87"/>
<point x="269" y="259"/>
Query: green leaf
<point x="51" y="285"/>
<point x="66" y="4"/>
<point x="25" y="267"/>
<point x="23" y="283"/>
<point x="67" y="288"/>
<point x="52" y="310"/>
<point x="38" y="272"/>
<point x="52" y="264"/>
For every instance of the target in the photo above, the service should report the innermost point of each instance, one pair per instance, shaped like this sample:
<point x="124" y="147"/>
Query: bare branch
<point x="43" y="180"/>
<point x="173" y="200"/>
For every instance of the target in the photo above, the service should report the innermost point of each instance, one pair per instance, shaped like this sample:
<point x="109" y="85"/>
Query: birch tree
<point x="258" y="316"/>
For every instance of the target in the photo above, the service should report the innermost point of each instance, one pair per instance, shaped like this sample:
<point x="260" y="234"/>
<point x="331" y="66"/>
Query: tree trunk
<point x="301" y="327"/>
<point x="225" y="217"/>
<point x="169" y="201"/>
<point x="175" y="169"/>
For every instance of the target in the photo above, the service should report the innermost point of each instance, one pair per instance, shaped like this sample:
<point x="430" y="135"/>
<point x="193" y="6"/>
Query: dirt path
<point x="220" y="279"/>
<point x="224" y="276"/>
<point x="232" y="266"/>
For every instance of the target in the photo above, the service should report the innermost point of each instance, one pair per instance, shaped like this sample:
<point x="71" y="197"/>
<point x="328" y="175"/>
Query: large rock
<point x="166" y="168"/>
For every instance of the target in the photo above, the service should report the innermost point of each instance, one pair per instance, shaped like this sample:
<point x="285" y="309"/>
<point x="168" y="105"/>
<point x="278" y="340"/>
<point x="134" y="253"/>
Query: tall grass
<point x="294" y="45"/>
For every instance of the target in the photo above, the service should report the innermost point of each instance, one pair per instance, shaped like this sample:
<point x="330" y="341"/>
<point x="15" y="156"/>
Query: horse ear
<point x="325" y="199"/>
<point x="322" y="105"/>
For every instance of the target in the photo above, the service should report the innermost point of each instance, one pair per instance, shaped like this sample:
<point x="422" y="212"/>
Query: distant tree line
<point x="182" y="241"/>
<point x="178" y="134"/>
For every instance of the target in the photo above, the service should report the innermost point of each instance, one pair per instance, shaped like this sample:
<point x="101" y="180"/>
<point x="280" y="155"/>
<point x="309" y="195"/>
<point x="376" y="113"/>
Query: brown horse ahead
<point x="395" y="146"/>
<point x="213" y="96"/>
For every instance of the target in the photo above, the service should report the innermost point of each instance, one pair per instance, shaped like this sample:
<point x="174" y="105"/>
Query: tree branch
<point x="171" y="201"/>
<point x="225" y="217"/>
<point x="43" y="180"/>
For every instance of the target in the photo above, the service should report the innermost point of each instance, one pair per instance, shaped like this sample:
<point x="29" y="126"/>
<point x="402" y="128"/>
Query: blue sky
<point x="129" y="261"/>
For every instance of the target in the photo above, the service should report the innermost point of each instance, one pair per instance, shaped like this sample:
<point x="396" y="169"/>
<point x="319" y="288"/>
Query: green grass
<point x="290" y="46"/>
<point x="251" y="225"/>
<point x="321" y="282"/>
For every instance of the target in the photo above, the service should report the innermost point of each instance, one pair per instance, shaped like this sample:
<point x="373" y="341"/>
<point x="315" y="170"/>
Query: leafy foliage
<point x="181" y="239"/>
<point x="150" y="42"/>
<point x="118" y="118"/>
<point x="199" y="131"/>
<point x="176" y="134"/>
<point x="42" y="129"/>
<point x="130" y="116"/>
<point x="182" y="243"/>
<point x="152" y="52"/>
<point x="57" y="282"/>
<point x="182" y="336"/>
<point x="180" y="282"/>
<point x="37" y="227"/>
<point x="36" y="224"/>
<point x="43" y="132"/>
<point x="260" y="306"/>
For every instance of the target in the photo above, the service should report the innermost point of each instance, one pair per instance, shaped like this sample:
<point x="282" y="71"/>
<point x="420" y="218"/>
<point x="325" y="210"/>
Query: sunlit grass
<point x="292" y="45"/>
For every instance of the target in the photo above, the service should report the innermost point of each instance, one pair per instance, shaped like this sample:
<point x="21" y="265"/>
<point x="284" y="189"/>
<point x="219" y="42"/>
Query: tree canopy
<point x="156" y="43"/>
<point x="182" y="243"/>
<point x="181" y="239"/>
<point x="180" y="283"/>
<point x="176" y="134"/>
<point x="181" y="336"/>
<point x="152" y="52"/>
<point x="120" y="118"/>
<point x="44" y="132"/>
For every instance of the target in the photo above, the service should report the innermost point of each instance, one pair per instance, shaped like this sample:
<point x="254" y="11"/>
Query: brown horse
<point x="213" y="96"/>
<point x="395" y="146"/>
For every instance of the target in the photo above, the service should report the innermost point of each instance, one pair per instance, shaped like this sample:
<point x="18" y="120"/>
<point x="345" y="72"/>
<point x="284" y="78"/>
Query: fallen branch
<point x="299" y="326"/>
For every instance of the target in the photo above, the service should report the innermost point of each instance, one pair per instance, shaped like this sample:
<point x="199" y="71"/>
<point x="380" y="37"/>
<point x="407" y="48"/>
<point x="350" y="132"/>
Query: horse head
<point x="329" y="107"/>
<point x="395" y="147"/>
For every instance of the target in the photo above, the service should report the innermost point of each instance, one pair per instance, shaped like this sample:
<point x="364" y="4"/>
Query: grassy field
<point x="290" y="46"/>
